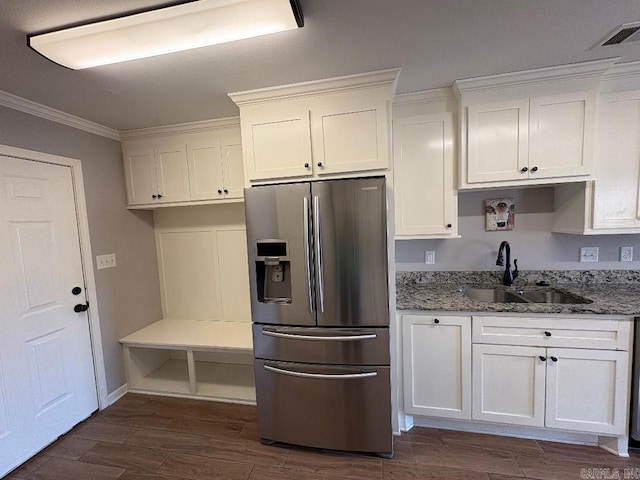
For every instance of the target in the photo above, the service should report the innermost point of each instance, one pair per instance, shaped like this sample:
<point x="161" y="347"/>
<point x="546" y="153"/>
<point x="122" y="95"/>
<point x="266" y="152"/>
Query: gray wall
<point x="128" y="295"/>
<point x="531" y="241"/>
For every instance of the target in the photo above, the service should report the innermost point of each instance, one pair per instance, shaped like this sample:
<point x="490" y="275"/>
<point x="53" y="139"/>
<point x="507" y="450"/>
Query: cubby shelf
<point x="200" y="359"/>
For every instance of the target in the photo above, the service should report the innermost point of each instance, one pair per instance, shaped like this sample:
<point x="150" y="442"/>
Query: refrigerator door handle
<point x="342" y="338"/>
<point x="307" y="253"/>
<point x="317" y="232"/>
<point x="325" y="376"/>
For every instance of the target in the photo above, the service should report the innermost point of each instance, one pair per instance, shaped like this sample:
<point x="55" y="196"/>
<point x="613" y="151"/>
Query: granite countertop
<point x="612" y="292"/>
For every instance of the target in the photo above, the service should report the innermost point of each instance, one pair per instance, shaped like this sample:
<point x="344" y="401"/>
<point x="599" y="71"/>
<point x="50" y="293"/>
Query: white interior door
<point x="47" y="382"/>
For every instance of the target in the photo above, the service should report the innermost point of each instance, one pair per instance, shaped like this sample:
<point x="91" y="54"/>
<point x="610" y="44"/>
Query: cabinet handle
<point x="436" y="321"/>
<point x="548" y="334"/>
<point x="320" y="164"/>
<point x="524" y="169"/>
<point x="449" y="225"/>
<point x="534" y="169"/>
<point x="159" y="196"/>
<point x="219" y="192"/>
<point x="226" y="191"/>
<point x="153" y="196"/>
<point x="306" y="165"/>
<point x="543" y="359"/>
<point x="554" y="359"/>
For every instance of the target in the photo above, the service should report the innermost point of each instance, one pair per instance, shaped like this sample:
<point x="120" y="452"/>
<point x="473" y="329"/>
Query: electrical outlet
<point x="589" y="254"/>
<point x="626" y="254"/>
<point x="105" y="261"/>
<point x="429" y="257"/>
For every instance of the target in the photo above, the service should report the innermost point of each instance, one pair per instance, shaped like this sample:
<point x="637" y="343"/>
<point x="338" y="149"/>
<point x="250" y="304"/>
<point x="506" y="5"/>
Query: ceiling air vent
<point x="629" y="32"/>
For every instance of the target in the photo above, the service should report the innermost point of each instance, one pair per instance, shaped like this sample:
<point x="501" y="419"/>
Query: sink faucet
<point x="509" y="276"/>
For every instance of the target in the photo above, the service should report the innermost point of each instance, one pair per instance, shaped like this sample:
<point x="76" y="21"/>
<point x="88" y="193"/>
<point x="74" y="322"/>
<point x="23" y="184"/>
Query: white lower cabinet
<point x="573" y="389"/>
<point x="508" y="384"/>
<point x="437" y="365"/>
<point x="567" y="373"/>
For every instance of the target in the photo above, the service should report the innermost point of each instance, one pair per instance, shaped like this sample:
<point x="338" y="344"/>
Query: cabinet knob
<point x="548" y="334"/>
<point x="543" y="359"/>
<point x="524" y="169"/>
<point x="534" y="169"/>
<point x="219" y="192"/>
<point x="154" y="196"/>
<point x="436" y="321"/>
<point x="226" y="191"/>
<point x="306" y="165"/>
<point x="449" y="225"/>
<point x="320" y="164"/>
<point x="554" y="359"/>
<point x="159" y="195"/>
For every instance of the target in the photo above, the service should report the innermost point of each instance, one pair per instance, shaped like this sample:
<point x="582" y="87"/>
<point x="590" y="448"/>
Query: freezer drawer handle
<point x="343" y="338"/>
<point x="341" y="376"/>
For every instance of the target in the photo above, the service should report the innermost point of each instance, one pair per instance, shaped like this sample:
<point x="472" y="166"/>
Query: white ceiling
<point x="434" y="41"/>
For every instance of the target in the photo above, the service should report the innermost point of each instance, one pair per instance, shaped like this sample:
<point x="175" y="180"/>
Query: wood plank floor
<point x="146" y="437"/>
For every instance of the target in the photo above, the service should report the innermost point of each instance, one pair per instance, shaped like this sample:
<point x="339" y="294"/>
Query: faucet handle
<point x="515" y="272"/>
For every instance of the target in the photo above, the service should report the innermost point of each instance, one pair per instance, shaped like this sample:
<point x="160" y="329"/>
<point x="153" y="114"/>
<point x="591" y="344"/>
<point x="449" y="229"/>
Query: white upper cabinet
<point x="184" y="165"/>
<point x="278" y="145"/>
<point x="156" y="174"/>
<point x="426" y="200"/>
<point x="529" y="128"/>
<point x="313" y="130"/>
<point x="498" y="146"/>
<point x="611" y="203"/>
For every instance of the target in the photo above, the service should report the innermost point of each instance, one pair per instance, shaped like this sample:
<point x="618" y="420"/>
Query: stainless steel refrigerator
<point x="319" y="303"/>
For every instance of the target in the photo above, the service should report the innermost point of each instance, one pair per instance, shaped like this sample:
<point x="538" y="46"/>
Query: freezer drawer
<point x="331" y="407"/>
<point x="337" y="346"/>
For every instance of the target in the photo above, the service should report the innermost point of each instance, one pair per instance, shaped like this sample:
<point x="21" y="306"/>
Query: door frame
<point x="86" y="256"/>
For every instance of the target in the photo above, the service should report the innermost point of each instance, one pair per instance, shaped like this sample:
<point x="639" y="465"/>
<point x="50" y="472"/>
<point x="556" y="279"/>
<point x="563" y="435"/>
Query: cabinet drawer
<point x="552" y="332"/>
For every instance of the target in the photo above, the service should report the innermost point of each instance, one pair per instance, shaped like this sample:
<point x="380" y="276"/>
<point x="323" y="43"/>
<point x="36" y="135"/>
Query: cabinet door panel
<point x="509" y="384"/>
<point x="616" y="203"/>
<point x="233" y="170"/>
<point x="205" y="171"/>
<point x="350" y="140"/>
<point x="140" y="176"/>
<point x="498" y="141"/>
<point x="423" y="165"/>
<point x="278" y="146"/>
<point x="437" y="366"/>
<point x="172" y="173"/>
<point x="561" y="135"/>
<point x="587" y="390"/>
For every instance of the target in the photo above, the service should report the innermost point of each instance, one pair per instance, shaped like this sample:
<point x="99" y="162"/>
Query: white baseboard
<point x="117" y="394"/>
<point x="508" y="430"/>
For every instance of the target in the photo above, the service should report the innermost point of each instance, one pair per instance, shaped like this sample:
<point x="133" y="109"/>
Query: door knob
<point x="81" y="307"/>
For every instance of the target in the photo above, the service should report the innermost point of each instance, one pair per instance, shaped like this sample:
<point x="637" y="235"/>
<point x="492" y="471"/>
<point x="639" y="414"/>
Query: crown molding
<point x="27" y="106"/>
<point x="622" y="70"/>
<point x="425" y="96"/>
<point x="189" y="127"/>
<point x="582" y="70"/>
<point x="381" y="78"/>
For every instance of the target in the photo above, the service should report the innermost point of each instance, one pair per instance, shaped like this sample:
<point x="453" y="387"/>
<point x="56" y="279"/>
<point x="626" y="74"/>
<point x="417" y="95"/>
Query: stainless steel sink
<point x="551" y="296"/>
<point x="493" y="295"/>
<point x="548" y="295"/>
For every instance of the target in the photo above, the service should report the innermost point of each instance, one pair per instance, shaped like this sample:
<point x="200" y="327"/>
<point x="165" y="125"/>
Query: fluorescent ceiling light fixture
<point x="173" y="29"/>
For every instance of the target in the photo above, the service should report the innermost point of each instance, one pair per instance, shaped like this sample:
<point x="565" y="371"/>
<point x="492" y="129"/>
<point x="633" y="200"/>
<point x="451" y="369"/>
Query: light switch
<point x="105" y="261"/>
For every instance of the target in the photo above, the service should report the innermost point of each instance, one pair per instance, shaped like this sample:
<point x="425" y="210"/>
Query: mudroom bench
<point x="189" y="358"/>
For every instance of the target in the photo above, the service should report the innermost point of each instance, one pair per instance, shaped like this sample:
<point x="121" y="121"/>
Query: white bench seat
<point x="188" y="358"/>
